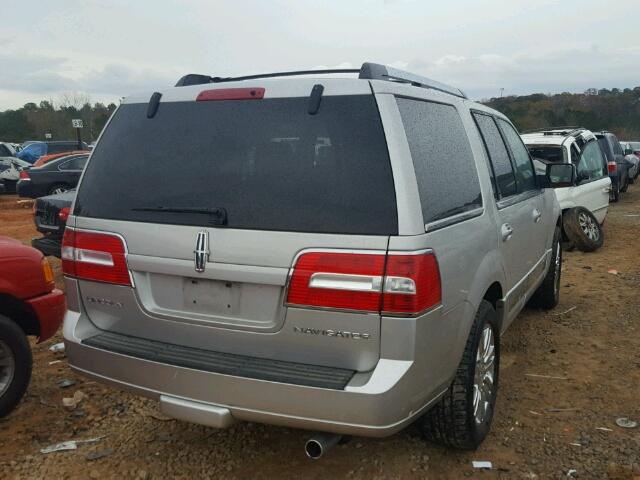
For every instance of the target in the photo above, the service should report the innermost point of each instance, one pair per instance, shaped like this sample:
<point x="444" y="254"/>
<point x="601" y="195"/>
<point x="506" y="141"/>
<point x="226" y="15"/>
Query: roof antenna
<point x="314" y="99"/>
<point x="154" y="102"/>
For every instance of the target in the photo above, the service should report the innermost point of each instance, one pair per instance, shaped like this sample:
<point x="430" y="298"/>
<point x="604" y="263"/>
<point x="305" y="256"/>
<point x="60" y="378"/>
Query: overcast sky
<point x="113" y="48"/>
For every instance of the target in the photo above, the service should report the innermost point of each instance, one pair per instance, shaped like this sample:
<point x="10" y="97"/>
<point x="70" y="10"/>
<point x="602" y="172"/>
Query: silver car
<point x="334" y="254"/>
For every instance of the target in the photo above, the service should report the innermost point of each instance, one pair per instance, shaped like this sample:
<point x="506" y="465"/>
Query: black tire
<point x="452" y="421"/>
<point x="614" y="193"/>
<point x="625" y="185"/>
<point x="547" y="295"/>
<point x="58" y="188"/>
<point x="583" y="229"/>
<point x="14" y="345"/>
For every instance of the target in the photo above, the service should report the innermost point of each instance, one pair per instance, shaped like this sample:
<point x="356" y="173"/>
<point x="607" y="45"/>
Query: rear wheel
<point x="462" y="418"/>
<point x="60" y="188"/>
<point x="583" y="229"/>
<point x="625" y="185"/>
<point x="614" y="193"/>
<point x="547" y="295"/>
<point x="15" y="365"/>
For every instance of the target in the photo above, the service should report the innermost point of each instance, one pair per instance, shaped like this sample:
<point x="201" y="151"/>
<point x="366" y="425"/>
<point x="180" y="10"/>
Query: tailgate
<point x="215" y="200"/>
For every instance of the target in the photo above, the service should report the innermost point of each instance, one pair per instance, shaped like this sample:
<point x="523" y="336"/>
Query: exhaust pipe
<point x="320" y="443"/>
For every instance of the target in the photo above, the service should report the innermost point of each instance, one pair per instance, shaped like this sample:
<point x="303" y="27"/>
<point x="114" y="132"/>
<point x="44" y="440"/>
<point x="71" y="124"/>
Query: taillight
<point x="24" y="175"/>
<point x="412" y="283"/>
<point x="398" y="283"/>
<point x="95" y="256"/>
<point x="612" y="167"/>
<point x="63" y="214"/>
<point x="230" y="94"/>
<point x="351" y="281"/>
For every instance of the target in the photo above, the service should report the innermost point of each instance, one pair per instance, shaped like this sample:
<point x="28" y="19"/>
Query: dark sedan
<point x="50" y="216"/>
<point x="56" y="176"/>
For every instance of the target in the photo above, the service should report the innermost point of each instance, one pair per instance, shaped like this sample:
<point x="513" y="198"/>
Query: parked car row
<point x="34" y="150"/>
<point x="35" y="154"/>
<point x="337" y="254"/>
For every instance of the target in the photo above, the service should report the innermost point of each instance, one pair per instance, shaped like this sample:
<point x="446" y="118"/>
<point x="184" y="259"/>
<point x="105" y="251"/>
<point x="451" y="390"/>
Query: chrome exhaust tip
<point x="320" y="443"/>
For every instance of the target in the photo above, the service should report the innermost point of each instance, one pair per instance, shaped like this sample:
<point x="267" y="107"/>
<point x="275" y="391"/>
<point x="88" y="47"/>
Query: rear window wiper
<point x="217" y="215"/>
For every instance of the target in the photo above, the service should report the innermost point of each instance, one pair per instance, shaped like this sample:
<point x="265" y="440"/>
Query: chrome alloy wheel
<point x="7" y="367"/>
<point x="588" y="226"/>
<point x="484" y="375"/>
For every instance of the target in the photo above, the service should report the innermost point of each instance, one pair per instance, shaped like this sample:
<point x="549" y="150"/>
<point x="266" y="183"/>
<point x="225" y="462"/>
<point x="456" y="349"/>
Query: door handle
<point x="537" y="215"/>
<point x="507" y="231"/>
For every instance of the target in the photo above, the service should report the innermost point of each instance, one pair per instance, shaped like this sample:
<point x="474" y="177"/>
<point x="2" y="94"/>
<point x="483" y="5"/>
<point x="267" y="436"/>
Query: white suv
<point x="585" y="201"/>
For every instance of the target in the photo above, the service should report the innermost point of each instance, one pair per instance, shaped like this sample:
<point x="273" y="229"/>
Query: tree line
<point x="36" y="121"/>
<point x="615" y="110"/>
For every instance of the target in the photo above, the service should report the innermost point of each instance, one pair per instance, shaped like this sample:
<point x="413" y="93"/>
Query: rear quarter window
<point x="442" y="158"/>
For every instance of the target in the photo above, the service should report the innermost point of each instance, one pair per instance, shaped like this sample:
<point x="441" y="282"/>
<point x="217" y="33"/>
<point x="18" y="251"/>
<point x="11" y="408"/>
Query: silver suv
<point x="335" y="254"/>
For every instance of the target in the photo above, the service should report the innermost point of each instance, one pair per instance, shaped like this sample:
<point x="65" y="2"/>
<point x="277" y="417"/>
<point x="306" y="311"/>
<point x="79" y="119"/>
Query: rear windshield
<point x="266" y="164"/>
<point x="550" y="154"/>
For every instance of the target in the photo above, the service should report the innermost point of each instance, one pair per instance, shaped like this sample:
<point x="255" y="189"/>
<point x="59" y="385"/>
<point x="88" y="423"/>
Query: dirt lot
<point x="544" y="427"/>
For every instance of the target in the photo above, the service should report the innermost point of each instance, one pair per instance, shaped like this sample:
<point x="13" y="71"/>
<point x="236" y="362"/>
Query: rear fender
<point x="490" y="271"/>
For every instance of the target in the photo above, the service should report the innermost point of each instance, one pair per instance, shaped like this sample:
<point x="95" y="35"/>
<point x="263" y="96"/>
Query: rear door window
<point x="442" y="158"/>
<point x="498" y="155"/>
<point x="591" y="162"/>
<point x="525" y="175"/>
<point x="267" y="164"/>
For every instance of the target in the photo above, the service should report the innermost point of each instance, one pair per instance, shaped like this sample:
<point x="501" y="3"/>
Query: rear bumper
<point x="377" y="403"/>
<point x="50" y="310"/>
<point x="25" y="188"/>
<point x="47" y="245"/>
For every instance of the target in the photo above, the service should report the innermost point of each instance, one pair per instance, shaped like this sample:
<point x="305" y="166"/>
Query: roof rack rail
<point x="368" y="71"/>
<point x="197" y="79"/>
<point x="566" y="130"/>
<point x="375" y="71"/>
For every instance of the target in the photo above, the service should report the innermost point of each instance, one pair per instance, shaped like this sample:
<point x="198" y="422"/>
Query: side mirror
<point x="561" y="175"/>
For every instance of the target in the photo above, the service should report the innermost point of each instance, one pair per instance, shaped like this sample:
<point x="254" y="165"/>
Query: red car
<point x="29" y="305"/>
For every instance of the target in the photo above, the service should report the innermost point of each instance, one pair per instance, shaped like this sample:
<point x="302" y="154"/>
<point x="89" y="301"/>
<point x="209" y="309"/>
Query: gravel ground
<point x="560" y="427"/>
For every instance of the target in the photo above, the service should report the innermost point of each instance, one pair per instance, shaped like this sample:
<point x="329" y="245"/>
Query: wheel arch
<point x="21" y="313"/>
<point x="489" y="284"/>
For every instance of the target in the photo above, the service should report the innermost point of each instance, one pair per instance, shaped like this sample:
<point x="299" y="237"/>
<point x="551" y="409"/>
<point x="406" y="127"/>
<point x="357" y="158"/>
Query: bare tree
<point x="74" y="100"/>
